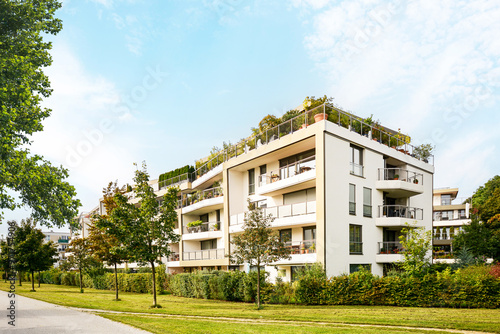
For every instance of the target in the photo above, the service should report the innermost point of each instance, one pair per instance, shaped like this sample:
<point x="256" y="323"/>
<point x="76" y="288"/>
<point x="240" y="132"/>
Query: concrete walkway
<point x="34" y="316"/>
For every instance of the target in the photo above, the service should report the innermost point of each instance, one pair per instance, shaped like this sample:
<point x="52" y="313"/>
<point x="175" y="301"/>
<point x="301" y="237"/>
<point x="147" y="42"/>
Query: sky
<point x="165" y="81"/>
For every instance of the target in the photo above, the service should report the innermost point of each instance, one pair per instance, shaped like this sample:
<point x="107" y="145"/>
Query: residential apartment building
<point x="450" y="214"/>
<point x="340" y="191"/>
<point x="61" y="239"/>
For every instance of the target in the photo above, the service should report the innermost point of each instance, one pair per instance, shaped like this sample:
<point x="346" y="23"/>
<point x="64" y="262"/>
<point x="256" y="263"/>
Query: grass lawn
<point x="329" y="316"/>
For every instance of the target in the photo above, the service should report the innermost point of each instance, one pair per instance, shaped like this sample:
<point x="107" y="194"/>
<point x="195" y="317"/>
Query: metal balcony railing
<point x="356" y="169"/>
<point x="390" y="247"/>
<point x="400" y="174"/>
<point x="188" y="199"/>
<point x="443" y="236"/>
<point x="173" y="257"/>
<point x="204" y="227"/>
<point x="186" y="177"/>
<point x="301" y="247"/>
<point x="281" y="211"/>
<point x="400" y="211"/>
<point x="207" y="254"/>
<point x="287" y="171"/>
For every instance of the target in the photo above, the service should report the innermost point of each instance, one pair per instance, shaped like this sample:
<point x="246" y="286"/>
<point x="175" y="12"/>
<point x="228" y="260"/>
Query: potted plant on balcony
<point x="302" y="249"/>
<point x="423" y="152"/>
<point x="396" y="176"/>
<point x="313" y="248"/>
<point x="275" y="177"/>
<point x="415" y="181"/>
<point x="194" y="226"/>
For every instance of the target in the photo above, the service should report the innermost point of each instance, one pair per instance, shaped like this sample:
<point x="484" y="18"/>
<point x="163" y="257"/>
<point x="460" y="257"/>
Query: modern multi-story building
<point x="340" y="190"/>
<point x="61" y="239"/>
<point x="451" y="213"/>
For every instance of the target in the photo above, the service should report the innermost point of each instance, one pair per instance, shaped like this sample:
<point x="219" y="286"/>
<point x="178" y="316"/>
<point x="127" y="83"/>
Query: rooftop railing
<point x="379" y="133"/>
<point x="188" y="177"/>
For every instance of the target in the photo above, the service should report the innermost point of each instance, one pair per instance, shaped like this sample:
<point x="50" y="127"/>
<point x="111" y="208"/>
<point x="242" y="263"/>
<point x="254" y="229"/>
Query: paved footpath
<point x="34" y="316"/>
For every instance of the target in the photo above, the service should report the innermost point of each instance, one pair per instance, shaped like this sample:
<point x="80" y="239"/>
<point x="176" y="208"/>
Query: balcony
<point x="301" y="252"/>
<point x="208" y="230"/>
<point x="175" y="181"/>
<point x="398" y="182"/>
<point x="173" y="257"/>
<point x="296" y="176"/>
<point x="389" y="252"/>
<point x="285" y="215"/>
<point x="62" y="241"/>
<point x="398" y="215"/>
<point x="202" y="201"/>
<point x="207" y="254"/>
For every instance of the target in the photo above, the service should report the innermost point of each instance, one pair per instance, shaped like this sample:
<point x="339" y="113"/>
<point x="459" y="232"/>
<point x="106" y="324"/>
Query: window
<point x="367" y="202"/>
<point x="204" y="218"/>
<point x="309" y="233"/>
<point x="209" y="244"/>
<point x="356" y="160"/>
<point x="357" y="267"/>
<point x="251" y="181"/>
<point x="355" y="241"/>
<point x="461" y="213"/>
<point x="297" y="164"/>
<point x="352" y="199"/>
<point x="286" y="236"/>
<point x="262" y="177"/>
<point x="445" y="199"/>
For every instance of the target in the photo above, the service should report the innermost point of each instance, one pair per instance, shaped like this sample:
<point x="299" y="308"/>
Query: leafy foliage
<point x="417" y="243"/>
<point x="258" y="244"/>
<point x="23" y="54"/>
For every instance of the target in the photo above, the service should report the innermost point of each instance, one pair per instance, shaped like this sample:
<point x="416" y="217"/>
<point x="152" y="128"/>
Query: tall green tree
<point x="106" y="236"/>
<point x="23" y="55"/>
<point x="417" y="245"/>
<point x="258" y="245"/>
<point x="149" y="226"/>
<point x="5" y="258"/>
<point x="31" y="253"/>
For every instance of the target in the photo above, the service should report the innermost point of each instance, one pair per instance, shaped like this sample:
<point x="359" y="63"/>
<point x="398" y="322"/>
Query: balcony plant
<point x="194" y="226"/>
<point x="423" y="152"/>
<point x="313" y="247"/>
<point x="396" y="176"/>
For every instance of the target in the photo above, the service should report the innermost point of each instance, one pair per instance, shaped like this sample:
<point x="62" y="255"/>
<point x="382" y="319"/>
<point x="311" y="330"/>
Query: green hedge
<point x="176" y="172"/>
<point x="139" y="283"/>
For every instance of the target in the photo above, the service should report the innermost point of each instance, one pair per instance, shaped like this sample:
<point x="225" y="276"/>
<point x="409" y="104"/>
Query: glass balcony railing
<point x="204" y="227"/>
<point x="400" y="211"/>
<point x="390" y="247"/>
<point x="301" y="247"/>
<point x="186" y="177"/>
<point x="356" y="169"/>
<point x="281" y="211"/>
<point x="443" y="236"/>
<point x="287" y="171"/>
<point x="400" y="174"/>
<point x="206" y="254"/>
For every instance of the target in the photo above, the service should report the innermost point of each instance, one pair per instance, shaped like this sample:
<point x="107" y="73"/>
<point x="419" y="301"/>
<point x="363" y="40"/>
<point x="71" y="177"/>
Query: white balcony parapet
<point x="288" y="171"/>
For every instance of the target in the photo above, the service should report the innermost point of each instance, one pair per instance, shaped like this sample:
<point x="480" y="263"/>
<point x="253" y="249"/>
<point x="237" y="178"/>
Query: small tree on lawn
<point x="106" y="236"/>
<point x="149" y="227"/>
<point x="258" y="244"/>
<point x="80" y="256"/>
<point x="31" y="253"/>
<point x="417" y="243"/>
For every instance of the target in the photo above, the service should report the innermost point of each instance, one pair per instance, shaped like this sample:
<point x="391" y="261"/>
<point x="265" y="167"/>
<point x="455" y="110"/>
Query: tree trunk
<point x="116" y="282"/>
<point x="20" y="279"/>
<point x="258" y="285"/>
<point x="154" y="283"/>
<point x="32" y="280"/>
<point x="81" y="280"/>
<point x="39" y="277"/>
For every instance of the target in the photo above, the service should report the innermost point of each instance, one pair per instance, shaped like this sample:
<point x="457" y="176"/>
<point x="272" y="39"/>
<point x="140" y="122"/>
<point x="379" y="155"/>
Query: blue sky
<point x="165" y="81"/>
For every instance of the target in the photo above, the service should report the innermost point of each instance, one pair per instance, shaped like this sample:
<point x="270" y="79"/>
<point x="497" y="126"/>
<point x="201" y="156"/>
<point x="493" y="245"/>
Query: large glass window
<point x="355" y="239"/>
<point x="445" y="199"/>
<point x="209" y="244"/>
<point x="251" y="181"/>
<point x="309" y="233"/>
<point x="286" y="236"/>
<point x="356" y="160"/>
<point x="367" y="202"/>
<point x="352" y="199"/>
<point x="297" y="164"/>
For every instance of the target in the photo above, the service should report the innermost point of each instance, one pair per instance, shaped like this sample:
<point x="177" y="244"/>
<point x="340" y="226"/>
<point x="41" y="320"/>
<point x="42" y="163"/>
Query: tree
<point x="482" y="236"/>
<point x="258" y="244"/>
<point x="80" y="257"/>
<point x="31" y="253"/>
<point x="417" y="243"/>
<point x="5" y="258"/>
<point x="106" y="238"/>
<point x="149" y="227"/>
<point x="23" y="54"/>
